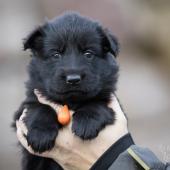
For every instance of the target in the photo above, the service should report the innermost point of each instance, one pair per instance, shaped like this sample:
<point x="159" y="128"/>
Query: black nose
<point x="73" y="79"/>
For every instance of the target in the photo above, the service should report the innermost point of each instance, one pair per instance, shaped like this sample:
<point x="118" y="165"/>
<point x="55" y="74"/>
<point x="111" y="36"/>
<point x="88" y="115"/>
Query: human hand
<point x="70" y="151"/>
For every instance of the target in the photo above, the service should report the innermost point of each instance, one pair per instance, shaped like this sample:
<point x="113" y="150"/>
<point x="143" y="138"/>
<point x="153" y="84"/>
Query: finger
<point x="23" y="127"/>
<point x="21" y="137"/>
<point x="21" y="122"/>
<point x="23" y="114"/>
<point x="114" y="104"/>
<point x="40" y="98"/>
<point x="36" y="92"/>
<point x="23" y="140"/>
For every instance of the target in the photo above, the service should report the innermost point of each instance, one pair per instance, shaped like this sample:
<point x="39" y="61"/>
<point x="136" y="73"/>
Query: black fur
<point x="68" y="45"/>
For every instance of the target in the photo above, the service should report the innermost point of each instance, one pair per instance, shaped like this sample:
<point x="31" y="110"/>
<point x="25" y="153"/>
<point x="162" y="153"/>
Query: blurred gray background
<point x="143" y="29"/>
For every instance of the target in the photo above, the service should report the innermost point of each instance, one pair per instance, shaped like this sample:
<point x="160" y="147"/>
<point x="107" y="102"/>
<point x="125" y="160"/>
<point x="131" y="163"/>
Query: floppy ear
<point x="34" y="41"/>
<point x="109" y="42"/>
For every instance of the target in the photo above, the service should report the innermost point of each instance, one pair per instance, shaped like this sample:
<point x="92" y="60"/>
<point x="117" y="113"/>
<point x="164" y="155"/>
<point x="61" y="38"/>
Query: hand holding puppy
<point x="72" y="152"/>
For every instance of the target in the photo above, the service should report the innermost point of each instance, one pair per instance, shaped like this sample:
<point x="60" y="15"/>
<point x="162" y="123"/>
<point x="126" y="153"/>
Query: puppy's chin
<point x="72" y="96"/>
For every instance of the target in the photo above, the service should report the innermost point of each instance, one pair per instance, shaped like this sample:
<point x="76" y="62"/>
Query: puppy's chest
<point x="74" y="106"/>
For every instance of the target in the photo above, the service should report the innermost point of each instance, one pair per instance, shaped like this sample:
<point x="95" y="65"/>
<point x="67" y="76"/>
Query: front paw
<point x="41" y="139"/>
<point x="85" y="129"/>
<point x="87" y="122"/>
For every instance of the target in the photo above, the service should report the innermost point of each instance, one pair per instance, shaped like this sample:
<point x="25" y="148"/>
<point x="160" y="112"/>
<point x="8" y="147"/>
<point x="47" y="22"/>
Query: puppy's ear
<point x="109" y="42"/>
<point x="34" y="41"/>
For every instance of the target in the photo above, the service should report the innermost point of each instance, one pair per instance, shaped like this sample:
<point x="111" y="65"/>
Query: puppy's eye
<point x="56" y="55"/>
<point x="89" y="55"/>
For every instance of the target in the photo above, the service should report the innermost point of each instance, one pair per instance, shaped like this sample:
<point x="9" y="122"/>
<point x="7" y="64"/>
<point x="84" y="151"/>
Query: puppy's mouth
<point x="71" y="92"/>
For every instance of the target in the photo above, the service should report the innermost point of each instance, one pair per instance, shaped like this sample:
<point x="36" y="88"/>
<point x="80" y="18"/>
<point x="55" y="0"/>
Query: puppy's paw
<point x="89" y="121"/>
<point x="41" y="139"/>
<point x="86" y="130"/>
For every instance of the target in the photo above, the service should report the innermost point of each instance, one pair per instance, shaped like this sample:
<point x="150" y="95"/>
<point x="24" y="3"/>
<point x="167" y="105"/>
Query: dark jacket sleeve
<point x="137" y="158"/>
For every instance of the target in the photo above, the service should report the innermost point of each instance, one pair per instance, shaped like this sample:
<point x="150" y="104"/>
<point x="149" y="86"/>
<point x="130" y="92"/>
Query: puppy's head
<point x="73" y="58"/>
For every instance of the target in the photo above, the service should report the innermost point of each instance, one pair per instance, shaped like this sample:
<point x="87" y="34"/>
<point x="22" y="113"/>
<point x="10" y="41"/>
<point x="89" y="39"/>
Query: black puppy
<point x="72" y="63"/>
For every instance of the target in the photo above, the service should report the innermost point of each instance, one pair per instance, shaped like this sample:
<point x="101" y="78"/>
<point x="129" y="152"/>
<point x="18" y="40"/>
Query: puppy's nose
<point x="73" y="79"/>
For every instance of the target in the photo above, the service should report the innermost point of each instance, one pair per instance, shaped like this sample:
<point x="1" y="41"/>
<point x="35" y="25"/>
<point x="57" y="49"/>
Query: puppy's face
<point x="73" y="58"/>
